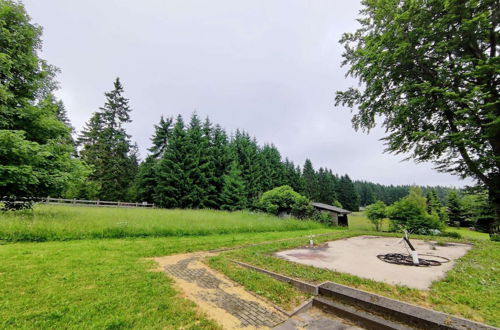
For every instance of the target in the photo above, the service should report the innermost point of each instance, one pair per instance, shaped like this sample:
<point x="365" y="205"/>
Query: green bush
<point x="285" y="200"/>
<point x="323" y="217"/>
<point x="376" y="213"/>
<point x="452" y="234"/>
<point x="410" y="213"/>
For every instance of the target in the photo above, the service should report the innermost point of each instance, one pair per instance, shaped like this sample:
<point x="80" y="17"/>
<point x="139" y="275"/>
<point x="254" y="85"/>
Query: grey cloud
<point x="269" y="67"/>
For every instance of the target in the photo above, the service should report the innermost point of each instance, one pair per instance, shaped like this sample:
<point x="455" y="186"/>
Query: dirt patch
<point x="358" y="256"/>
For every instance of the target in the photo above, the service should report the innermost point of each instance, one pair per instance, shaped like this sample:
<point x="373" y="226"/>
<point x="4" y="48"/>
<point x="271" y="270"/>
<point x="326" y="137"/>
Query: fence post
<point x="47" y="200"/>
<point x="97" y="202"/>
<point x="74" y="200"/>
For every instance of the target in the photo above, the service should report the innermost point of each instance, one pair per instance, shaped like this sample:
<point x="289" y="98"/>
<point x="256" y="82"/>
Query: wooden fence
<point x="84" y="202"/>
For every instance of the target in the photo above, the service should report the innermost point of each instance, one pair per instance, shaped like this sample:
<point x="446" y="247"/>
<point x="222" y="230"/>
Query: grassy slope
<point x="470" y="289"/>
<point x="54" y="223"/>
<point x="104" y="283"/>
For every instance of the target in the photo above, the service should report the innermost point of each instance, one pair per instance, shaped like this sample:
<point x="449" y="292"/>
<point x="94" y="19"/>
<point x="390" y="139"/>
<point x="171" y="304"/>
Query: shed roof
<point x="330" y="208"/>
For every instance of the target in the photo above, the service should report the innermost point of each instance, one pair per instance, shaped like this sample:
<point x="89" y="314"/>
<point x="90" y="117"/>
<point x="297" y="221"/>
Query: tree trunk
<point x="494" y="196"/>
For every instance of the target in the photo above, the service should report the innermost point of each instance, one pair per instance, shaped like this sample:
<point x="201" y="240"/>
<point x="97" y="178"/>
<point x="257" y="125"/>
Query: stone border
<point x="373" y="310"/>
<point x="412" y="315"/>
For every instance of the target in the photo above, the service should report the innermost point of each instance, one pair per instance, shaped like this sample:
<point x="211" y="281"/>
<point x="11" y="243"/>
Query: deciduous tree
<point x="36" y="153"/>
<point x="430" y="70"/>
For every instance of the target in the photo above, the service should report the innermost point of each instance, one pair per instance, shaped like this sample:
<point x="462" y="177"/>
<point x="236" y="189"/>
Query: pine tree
<point x="147" y="180"/>
<point x="172" y="180"/>
<point x="106" y="147"/>
<point x="233" y="196"/>
<point x="433" y="205"/>
<point x="161" y="136"/>
<point x="246" y="153"/>
<point x="219" y="160"/>
<point x="347" y="194"/>
<point x="310" y="181"/>
<point x="197" y="165"/>
<point x="271" y="168"/>
<point x="326" y="186"/>
<point x="455" y="210"/>
<point x="292" y="176"/>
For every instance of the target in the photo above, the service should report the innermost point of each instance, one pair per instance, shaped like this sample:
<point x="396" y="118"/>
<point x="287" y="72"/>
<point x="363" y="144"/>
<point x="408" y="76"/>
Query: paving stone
<point x="250" y="313"/>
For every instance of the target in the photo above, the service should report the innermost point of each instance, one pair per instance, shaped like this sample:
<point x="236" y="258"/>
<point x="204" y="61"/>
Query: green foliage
<point x="35" y="144"/>
<point x="411" y="214"/>
<point x="106" y="147"/>
<point x="327" y="184"/>
<point x="246" y="153"/>
<point x="455" y="211"/>
<point x="233" y="196"/>
<point x="310" y="181"/>
<point x="347" y="194"/>
<point x="337" y="204"/>
<point x="322" y="217"/>
<point x="376" y="213"/>
<point x="452" y="234"/>
<point x="161" y="136"/>
<point x="477" y="209"/>
<point x="430" y="70"/>
<point x="432" y="202"/>
<point x="285" y="200"/>
<point x="172" y="178"/>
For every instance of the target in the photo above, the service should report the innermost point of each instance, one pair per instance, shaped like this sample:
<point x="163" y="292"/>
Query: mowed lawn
<point x="59" y="223"/>
<point x="105" y="283"/>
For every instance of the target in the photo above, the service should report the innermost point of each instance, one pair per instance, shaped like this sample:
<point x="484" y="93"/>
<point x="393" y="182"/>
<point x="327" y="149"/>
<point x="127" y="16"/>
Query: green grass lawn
<point x="469" y="290"/>
<point x="58" y="223"/>
<point x="104" y="284"/>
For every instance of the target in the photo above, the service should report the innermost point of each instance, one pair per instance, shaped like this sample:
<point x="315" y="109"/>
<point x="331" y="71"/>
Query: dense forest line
<point x="199" y="165"/>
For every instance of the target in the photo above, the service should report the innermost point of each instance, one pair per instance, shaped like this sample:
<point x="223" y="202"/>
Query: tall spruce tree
<point x="233" y="196"/>
<point x="172" y="179"/>
<point x="106" y="147"/>
<point x="455" y="210"/>
<point x="161" y="136"/>
<point x="246" y="153"/>
<point x="347" y="194"/>
<point x="433" y="204"/>
<point x="220" y="158"/>
<point x="292" y="176"/>
<point x="310" y="181"/>
<point x="271" y="168"/>
<point x="198" y="166"/>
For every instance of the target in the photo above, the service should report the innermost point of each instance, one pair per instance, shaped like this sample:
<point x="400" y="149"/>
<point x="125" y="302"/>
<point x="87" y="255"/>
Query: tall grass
<point x="59" y="223"/>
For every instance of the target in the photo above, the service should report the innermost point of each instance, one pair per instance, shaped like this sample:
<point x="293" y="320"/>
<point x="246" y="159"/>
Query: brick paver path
<point x="218" y="296"/>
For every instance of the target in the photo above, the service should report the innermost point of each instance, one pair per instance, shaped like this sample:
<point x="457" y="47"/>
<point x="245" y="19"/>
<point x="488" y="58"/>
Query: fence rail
<point x="80" y="202"/>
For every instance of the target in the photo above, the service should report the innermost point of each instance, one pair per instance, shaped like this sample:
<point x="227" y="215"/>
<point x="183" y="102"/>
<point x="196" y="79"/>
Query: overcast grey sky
<point x="268" y="67"/>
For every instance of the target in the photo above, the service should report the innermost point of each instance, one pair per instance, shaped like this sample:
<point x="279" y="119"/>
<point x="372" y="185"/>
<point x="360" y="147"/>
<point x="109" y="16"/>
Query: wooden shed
<point x="339" y="216"/>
